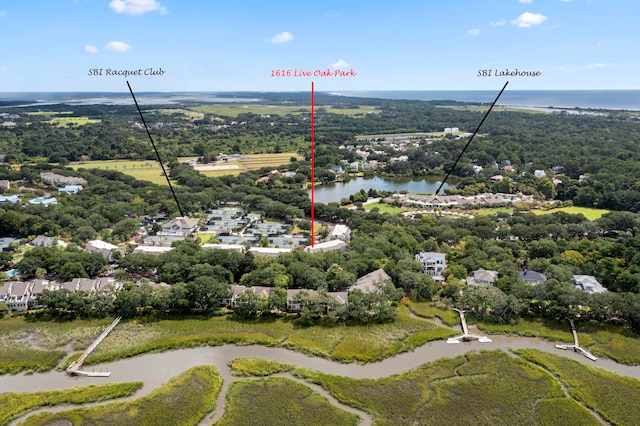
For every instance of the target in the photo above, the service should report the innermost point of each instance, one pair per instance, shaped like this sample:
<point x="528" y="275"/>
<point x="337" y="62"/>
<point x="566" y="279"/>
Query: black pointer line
<point x="471" y="138"/>
<point x="155" y="149"/>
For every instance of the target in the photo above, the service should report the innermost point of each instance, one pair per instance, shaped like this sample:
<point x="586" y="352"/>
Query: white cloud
<point x="90" y="49"/>
<point x="528" y="19"/>
<point x="136" y="7"/>
<point x="473" y="32"/>
<point x="281" y="38"/>
<point x="567" y="1"/>
<point x="599" y="65"/>
<point x="498" y="23"/>
<point x="525" y="1"/>
<point x="340" y="64"/>
<point x="117" y="46"/>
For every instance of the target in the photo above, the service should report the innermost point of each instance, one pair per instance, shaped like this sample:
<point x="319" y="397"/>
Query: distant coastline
<point x="567" y="99"/>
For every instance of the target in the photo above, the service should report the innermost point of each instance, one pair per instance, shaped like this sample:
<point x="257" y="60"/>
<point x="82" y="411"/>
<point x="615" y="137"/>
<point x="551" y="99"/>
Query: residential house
<point x="539" y="174"/>
<point x="6" y="199"/>
<point x="235" y="247"/>
<point x="340" y="232"/>
<point x="532" y="277"/>
<point x="55" y="179"/>
<point x="6" y="243"/>
<point x="70" y="189"/>
<point x="482" y="277"/>
<point x="152" y="250"/>
<point x="41" y="201"/>
<point x="179" y="226"/>
<point x="42" y="241"/>
<point x="17" y="298"/>
<point x="332" y="245"/>
<point x="368" y="283"/>
<point x="104" y="248"/>
<point x="588" y="283"/>
<point x="268" y="251"/>
<point x="433" y="263"/>
<point x="5" y="184"/>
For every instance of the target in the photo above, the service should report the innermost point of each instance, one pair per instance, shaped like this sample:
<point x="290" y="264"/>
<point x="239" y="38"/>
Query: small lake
<point x="335" y="192"/>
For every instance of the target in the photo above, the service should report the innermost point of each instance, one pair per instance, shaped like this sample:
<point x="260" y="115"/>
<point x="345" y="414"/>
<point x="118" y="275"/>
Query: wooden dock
<point x="74" y="368"/>
<point x="466" y="336"/>
<point x="576" y="346"/>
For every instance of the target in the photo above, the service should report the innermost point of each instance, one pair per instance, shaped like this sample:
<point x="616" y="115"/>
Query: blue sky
<point x="224" y="45"/>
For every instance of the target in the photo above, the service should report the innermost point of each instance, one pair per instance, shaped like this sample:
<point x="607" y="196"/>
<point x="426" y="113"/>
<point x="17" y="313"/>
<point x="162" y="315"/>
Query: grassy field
<point x="616" y="398"/>
<point x="185" y="400"/>
<point x="589" y="213"/>
<point x="487" y="388"/>
<point x="13" y="404"/>
<point x="384" y="208"/>
<point x="191" y="115"/>
<point x="77" y="121"/>
<point x="150" y="170"/>
<point x="140" y="169"/>
<point x="257" y="161"/>
<point x="232" y="110"/>
<point x="280" y="401"/>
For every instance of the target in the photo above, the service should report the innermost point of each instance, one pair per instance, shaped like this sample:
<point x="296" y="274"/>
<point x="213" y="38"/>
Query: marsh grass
<point x="488" y="388"/>
<point x="257" y="367"/>
<point x="616" y="398"/>
<point x="564" y="411"/>
<point x="429" y="310"/>
<point x="184" y="400"/>
<point x="339" y="342"/>
<point x="13" y="404"/>
<point x="280" y="401"/>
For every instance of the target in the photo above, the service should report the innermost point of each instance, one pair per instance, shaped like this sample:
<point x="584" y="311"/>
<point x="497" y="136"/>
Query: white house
<point x="433" y="263"/>
<point x="588" y="283"/>
<point x="104" y="248"/>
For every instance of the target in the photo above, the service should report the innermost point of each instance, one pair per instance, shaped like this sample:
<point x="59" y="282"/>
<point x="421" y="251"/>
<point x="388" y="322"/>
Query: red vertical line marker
<point x="313" y="156"/>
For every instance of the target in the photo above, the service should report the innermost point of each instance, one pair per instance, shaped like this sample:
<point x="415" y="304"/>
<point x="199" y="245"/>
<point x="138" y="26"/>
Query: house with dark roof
<point x="532" y="277"/>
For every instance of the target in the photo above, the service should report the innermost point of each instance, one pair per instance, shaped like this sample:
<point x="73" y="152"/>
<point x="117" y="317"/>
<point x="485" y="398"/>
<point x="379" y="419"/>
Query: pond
<point x="334" y="192"/>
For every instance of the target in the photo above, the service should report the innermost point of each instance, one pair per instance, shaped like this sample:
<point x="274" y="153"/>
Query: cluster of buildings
<point x="23" y="295"/>
<point x="435" y="263"/>
<point x="472" y="201"/>
<point x="367" y="284"/>
<point x="68" y="185"/>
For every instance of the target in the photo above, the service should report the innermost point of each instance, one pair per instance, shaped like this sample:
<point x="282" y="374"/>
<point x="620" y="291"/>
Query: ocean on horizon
<point x="595" y="99"/>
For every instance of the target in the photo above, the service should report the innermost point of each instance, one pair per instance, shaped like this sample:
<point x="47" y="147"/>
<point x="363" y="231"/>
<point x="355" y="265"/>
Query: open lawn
<point x="189" y="114"/>
<point x="13" y="404"/>
<point x="429" y="310"/>
<point x="383" y="208"/>
<point x="589" y="213"/>
<point x="184" y="400"/>
<point x="77" y="121"/>
<point x="257" y="161"/>
<point x="232" y="110"/>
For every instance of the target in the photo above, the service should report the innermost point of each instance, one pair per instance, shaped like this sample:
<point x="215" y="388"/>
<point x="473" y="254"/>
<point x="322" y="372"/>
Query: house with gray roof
<point x="482" y="277"/>
<point x="587" y="283"/>
<point x="532" y="277"/>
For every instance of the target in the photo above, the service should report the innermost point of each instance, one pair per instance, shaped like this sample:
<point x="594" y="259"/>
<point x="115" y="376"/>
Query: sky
<point x="232" y="45"/>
